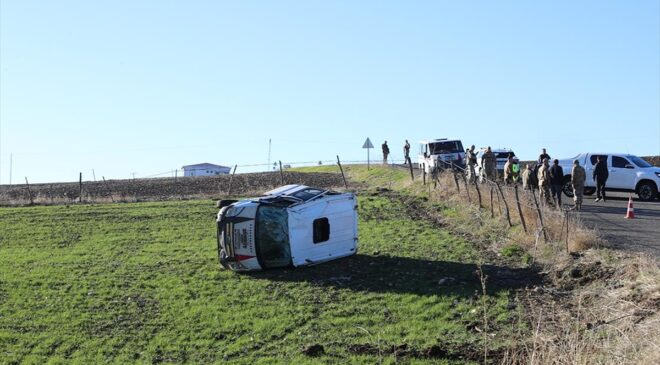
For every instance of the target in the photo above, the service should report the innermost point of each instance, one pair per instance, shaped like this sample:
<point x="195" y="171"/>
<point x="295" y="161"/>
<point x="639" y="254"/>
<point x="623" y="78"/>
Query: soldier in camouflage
<point x="578" y="176"/>
<point x="489" y="165"/>
<point x="527" y="178"/>
<point x="471" y="159"/>
<point x="543" y="176"/>
<point x="508" y="170"/>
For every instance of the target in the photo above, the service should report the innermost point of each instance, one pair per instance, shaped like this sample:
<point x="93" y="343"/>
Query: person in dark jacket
<point x="543" y="156"/>
<point x="556" y="182"/>
<point x="600" y="177"/>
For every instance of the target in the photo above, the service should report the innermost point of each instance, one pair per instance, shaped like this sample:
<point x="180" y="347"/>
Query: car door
<point x="622" y="173"/>
<point x="589" y="168"/>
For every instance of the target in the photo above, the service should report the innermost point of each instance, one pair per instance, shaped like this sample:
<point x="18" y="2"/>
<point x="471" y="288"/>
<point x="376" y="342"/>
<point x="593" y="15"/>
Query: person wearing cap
<point x="556" y="182"/>
<point x="578" y="176"/>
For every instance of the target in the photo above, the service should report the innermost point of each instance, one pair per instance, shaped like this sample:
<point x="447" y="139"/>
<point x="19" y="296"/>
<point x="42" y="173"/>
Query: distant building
<point x="205" y="169"/>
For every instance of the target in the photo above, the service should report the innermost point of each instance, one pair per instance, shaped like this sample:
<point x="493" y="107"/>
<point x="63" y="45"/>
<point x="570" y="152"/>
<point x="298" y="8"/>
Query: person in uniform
<point x="578" y="176"/>
<point x="471" y="158"/>
<point x="386" y="152"/>
<point x="489" y="164"/>
<point x="406" y="153"/>
<point x="527" y="178"/>
<point x="543" y="176"/>
<point x="508" y="170"/>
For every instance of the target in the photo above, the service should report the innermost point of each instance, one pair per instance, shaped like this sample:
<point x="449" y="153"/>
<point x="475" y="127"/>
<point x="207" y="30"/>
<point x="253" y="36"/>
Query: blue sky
<point x="149" y="86"/>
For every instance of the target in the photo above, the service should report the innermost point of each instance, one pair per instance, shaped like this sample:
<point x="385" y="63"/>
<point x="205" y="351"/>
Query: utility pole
<point x="11" y="158"/>
<point x="132" y="173"/>
<point x="94" y="174"/>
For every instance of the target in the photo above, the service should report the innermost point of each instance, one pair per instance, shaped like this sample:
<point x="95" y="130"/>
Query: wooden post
<point x="567" y="222"/>
<point x="81" y="192"/>
<point x="538" y="211"/>
<point x="467" y="187"/>
<point x="50" y="193"/>
<point x="281" y="173"/>
<point x="29" y="192"/>
<point x="342" y="172"/>
<point x="424" y="174"/>
<point x="506" y="205"/>
<point x="492" y="210"/>
<point x="105" y="183"/>
<point x="231" y="179"/>
<point x="520" y="213"/>
<point x="412" y="176"/>
<point x="476" y="186"/>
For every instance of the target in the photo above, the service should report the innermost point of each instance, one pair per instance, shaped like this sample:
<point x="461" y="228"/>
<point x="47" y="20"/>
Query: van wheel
<point x="646" y="191"/>
<point x="568" y="187"/>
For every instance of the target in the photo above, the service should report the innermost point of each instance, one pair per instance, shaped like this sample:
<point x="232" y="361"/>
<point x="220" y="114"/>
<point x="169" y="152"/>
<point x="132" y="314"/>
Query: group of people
<point x="548" y="179"/>
<point x="406" y="152"/>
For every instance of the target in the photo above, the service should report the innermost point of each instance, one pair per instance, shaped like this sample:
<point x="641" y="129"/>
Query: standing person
<point x="406" y="153"/>
<point x="543" y="176"/>
<point x="578" y="176"/>
<point x="489" y="165"/>
<point x="386" y="152"/>
<point x="543" y="156"/>
<point x="471" y="158"/>
<point x="527" y="178"/>
<point x="600" y="177"/>
<point x="508" y="170"/>
<point x="556" y="182"/>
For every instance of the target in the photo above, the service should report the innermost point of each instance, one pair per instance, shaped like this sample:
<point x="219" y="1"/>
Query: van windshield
<point x="272" y="236"/>
<point x="438" y="148"/>
<point x="639" y="162"/>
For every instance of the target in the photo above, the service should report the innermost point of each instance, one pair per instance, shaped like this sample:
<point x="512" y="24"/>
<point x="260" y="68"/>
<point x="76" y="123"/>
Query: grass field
<point x="140" y="282"/>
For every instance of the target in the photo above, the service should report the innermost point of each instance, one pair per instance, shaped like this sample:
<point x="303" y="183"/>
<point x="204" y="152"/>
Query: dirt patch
<point x="313" y="350"/>
<point x="438" y="351"/>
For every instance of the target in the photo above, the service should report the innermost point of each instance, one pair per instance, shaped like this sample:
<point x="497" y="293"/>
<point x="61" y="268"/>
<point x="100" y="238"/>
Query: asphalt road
<point x="641" y="234"/>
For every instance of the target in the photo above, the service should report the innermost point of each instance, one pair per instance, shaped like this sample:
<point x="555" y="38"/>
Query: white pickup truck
<point x="627" y="173"/>
<point x="294" y="225"/>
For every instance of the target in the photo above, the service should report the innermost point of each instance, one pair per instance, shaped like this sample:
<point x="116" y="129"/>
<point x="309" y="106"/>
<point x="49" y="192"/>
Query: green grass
<point x="374" y="176"/>
<point x="140" y="282"/>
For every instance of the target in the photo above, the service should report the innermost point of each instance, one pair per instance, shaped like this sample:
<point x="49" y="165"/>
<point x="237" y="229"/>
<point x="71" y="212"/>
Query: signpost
<point x="367" y="144"/>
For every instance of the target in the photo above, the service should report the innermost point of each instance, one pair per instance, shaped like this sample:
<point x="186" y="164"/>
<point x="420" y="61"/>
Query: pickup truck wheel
<point x="589" y="191"/>
<point x="568" y="188"/>
<point x="646" y="191"/>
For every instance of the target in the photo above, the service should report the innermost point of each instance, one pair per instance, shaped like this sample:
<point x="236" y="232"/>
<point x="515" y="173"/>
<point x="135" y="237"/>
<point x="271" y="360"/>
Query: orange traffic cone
<point x="630" y="214"/>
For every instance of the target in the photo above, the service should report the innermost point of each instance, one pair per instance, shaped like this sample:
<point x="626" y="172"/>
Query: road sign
<point x="367" y="144"/>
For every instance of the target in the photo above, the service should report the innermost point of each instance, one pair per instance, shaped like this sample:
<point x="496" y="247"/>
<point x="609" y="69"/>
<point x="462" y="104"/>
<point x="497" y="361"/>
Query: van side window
<point x="619" y="162"/>
<point x="321" y="230"/>
<point x="594" y="159"/>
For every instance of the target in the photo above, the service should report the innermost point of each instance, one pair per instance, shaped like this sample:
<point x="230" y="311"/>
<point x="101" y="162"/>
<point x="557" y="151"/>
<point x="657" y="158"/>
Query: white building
<point x="205" y="169"/>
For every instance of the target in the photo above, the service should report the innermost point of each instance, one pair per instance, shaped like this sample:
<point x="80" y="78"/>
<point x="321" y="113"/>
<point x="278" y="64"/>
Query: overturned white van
<point x="294" y="225"/>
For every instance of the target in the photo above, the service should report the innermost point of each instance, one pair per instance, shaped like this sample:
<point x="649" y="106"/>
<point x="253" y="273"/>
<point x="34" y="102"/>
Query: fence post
<point x="506" y="205"/>
<point x="412" y="176"/>
<point x="492" y="210"/>
<point x="342" y="172"/>
<point x="281" y="173"/>
<point x="231" y="179"/>
<point x="476" y="186"/>
<point x="29" y="192"/>
<point x="424" y="174"/>
<point x="567" y="223"/>
<point x="520" y="213"/>
<point x="538" y="211"/>
<point x="105" y="183"/>
<point x="467" y="187"/>
<point x="80" y="193"/>
<point x="50" y="193"/>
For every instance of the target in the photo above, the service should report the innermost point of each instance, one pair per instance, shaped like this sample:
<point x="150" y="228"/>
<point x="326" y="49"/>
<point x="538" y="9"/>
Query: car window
<point x="594" y="159"/>
<point x="639" y="162"/>
<point x="619" y="162"/>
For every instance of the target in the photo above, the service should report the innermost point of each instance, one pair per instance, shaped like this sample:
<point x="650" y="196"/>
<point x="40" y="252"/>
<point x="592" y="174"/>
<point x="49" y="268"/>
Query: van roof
<point x="425" y="141"/>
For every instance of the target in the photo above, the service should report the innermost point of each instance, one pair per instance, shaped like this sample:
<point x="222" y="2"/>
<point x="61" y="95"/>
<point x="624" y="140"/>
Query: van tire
<point x="647" y="191"/>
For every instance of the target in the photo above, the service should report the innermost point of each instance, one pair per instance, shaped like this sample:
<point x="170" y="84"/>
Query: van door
<point x="622" y="173"/>
<point x="589" y="169"/>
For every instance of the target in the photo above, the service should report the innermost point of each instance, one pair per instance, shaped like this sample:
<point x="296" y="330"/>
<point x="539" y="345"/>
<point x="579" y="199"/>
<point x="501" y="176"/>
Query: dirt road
<point x="641" y="234"/>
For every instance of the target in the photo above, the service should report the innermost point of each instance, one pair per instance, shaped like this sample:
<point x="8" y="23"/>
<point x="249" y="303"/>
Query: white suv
<point x="627" y="173"/>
